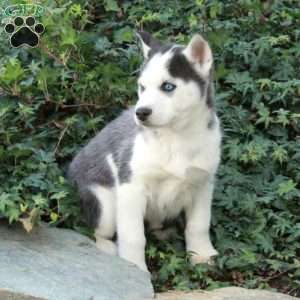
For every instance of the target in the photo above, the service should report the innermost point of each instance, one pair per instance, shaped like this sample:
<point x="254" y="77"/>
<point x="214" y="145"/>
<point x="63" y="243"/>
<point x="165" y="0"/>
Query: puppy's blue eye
<point x="168" y="87"/>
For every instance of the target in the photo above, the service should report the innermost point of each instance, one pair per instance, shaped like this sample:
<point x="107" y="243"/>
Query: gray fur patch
<point x="124" y="171"/>
<point x="90" y="165"/>
<point x="179" y="67"/>
<point x="161" y="50"/>
<point x="211" y="123"/>
<point x="90" y="207"/>
<point x="210" y="93"/>
<point x="152" y="52"/>
<point x="155" y="45"/>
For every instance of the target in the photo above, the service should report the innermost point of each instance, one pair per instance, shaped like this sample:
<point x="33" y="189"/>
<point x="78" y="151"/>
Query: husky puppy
<point x="157" y="159"/>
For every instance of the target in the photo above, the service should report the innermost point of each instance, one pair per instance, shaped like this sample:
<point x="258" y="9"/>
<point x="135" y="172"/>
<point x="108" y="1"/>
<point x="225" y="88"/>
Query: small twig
<point x="277" y="275"/>
<point x="60" y="138"/>
<point x="61" y="105"/>
<point x="58" y="125"/>
<point x="83" y="104"/>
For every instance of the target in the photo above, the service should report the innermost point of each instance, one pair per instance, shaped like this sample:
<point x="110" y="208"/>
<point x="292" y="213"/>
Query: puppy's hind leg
<point x="106" y="225"/>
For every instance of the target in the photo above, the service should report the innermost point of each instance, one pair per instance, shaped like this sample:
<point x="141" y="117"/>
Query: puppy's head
<point x="173" y="81"/>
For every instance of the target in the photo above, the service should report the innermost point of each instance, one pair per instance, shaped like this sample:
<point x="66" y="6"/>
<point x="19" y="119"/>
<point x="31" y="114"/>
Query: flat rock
<point x="6" y="295"/>
<point x="228" y="293"/>
<point x="60" y="264"/>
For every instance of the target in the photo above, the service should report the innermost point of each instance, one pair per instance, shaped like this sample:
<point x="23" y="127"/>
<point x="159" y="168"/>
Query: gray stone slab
<point x="228" y="293"/>
<point x="60" y="264"/>
<point x="6" y="295"/>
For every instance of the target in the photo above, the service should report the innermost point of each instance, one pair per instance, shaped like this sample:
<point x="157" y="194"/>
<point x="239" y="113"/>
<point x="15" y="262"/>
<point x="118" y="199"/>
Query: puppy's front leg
<point x="131" y="205"/>
<point x="198" y="216"/>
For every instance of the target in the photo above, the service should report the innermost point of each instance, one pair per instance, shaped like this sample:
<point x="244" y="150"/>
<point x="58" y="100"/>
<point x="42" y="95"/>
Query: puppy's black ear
<point x="148" y="42"/>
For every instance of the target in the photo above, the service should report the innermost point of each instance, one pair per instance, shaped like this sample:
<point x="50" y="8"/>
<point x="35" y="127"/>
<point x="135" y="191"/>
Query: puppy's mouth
<point x="146" y="123"/>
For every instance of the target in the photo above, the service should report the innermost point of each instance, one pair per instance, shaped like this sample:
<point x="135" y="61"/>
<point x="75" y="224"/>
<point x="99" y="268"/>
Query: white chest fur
<point x="171" y="167"/>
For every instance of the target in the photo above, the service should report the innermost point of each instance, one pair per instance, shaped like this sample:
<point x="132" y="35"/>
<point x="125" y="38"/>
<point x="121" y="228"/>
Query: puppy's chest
<point x="166" y="196"/>
<point x="170" y="172"/>
<point x="169" y="160"/>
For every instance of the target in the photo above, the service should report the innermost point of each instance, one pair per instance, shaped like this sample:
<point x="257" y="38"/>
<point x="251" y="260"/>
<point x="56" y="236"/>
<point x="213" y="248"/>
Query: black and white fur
<point x="157" y="159"/>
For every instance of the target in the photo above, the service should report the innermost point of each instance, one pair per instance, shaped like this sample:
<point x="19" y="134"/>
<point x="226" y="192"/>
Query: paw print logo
<point x="24" y="31"/>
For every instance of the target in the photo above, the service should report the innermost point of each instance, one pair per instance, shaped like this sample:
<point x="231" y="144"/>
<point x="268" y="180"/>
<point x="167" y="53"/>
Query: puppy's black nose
<point x="143" y="113"/>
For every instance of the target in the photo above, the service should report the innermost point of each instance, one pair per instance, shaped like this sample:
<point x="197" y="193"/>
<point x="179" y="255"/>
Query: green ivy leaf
<point x="111" y="5"/>
<point x="123" y="35"/>
<point x="286" y="187"/>
<point x="12" y="72"/>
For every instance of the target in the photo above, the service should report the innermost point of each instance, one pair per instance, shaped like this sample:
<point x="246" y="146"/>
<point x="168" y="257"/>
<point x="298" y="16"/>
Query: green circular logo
<point x="23" y="10"/>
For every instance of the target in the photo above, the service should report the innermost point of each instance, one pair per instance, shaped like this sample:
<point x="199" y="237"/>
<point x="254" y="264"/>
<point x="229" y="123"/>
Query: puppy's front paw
<point x="196" y="258"/>
<point x="107" y="246"/>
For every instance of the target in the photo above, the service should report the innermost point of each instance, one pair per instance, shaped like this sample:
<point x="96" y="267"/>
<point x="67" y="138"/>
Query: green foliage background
<point x="57" y="96"/>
